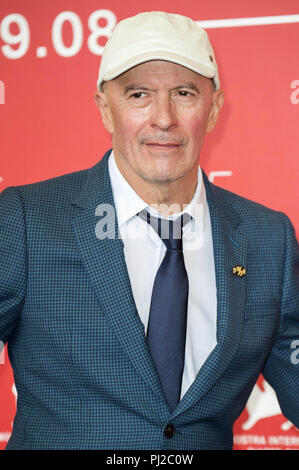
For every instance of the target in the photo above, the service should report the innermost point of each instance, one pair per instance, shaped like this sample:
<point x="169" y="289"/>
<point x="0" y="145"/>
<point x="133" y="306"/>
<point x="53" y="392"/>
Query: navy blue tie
<point x="166" y="333"/>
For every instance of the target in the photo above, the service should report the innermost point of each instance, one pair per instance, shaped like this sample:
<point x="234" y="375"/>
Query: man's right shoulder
<point x="64" y="185"/>
<point x="63" y="189"/>
<point x="59" y="190"/>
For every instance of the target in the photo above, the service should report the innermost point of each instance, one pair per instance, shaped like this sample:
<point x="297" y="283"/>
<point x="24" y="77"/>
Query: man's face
<point x="158" y="114"/>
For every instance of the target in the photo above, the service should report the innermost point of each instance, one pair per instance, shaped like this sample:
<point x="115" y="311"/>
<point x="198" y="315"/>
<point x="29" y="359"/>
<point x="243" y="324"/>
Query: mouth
<point x="163" y="145"/>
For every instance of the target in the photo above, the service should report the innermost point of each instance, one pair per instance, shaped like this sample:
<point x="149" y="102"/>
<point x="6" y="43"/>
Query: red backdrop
<point x="49" y="58"/>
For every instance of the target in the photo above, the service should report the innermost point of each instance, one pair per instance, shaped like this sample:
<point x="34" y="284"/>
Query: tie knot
<point x="170" y="231"/>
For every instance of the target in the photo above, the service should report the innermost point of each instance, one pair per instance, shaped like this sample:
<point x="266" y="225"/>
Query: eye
<point x="138" y="94"/>
<point x="185" y="93"/>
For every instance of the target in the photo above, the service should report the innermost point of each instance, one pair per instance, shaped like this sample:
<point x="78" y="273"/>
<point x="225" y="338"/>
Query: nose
<point x="163" y="113"/>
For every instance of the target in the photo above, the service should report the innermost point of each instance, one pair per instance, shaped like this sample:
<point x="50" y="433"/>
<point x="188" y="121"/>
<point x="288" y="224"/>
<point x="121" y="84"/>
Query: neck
<point x="166" y="197"/>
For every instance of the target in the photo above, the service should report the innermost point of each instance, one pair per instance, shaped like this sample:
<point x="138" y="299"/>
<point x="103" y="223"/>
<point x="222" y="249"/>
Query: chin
<point x="161" y="178"/>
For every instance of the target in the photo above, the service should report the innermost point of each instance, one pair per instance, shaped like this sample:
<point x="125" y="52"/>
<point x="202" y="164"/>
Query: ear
<point x="102" y="102"/>
<point x="217" y="102"/>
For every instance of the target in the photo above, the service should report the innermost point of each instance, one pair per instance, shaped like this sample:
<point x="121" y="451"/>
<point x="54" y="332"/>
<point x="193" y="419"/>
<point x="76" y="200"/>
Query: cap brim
<point x="200" y="68"/>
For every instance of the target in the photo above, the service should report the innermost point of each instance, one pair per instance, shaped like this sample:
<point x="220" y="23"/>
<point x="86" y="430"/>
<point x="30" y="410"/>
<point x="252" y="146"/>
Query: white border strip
<point x="254" y="21"/>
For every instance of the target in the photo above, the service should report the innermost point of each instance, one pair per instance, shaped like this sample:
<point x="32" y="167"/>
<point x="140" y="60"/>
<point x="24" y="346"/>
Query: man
<point x="122" y="336"/>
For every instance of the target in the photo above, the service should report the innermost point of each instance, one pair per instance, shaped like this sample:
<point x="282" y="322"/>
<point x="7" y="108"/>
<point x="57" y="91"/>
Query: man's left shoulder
<point x="253" y="216"/>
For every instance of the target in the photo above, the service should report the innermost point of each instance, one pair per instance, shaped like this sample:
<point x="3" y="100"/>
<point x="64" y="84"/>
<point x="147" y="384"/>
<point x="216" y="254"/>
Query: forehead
<point x="160" y="71"/>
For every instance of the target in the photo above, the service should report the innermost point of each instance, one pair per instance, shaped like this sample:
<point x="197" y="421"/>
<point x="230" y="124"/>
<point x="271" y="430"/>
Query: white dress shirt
<point x="144" y="251"/>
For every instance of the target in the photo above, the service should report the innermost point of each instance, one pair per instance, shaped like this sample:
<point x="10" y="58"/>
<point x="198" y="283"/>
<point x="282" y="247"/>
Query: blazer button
<point x="169" y="430"/>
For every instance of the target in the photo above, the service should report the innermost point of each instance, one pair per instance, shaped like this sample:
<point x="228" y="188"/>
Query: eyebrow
<point x="134" y="87"/>
<point x="189" y="85"/>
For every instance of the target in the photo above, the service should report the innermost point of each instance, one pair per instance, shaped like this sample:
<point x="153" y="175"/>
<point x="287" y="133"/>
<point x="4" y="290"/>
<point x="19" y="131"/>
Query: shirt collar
<point x="128" y="203"/>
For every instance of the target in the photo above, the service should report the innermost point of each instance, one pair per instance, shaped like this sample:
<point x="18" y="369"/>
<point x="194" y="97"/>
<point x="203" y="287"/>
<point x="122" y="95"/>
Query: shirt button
<point x="169" y="430"/>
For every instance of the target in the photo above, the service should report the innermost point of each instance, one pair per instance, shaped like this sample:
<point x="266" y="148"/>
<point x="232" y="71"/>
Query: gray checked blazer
<point x="84" y="375"/>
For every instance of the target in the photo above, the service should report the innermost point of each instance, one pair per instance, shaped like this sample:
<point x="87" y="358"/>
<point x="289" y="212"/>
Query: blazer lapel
<point x="230" y="249"/>
<point x="106" y="267"/>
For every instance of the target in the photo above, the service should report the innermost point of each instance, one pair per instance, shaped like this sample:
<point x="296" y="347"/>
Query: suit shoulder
<point x="253" y="218"/>
<point x="60" y="189"/>
<point x="246" y="207"/>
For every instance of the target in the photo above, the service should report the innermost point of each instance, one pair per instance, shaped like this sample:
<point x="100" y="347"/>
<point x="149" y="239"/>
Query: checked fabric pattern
<point x="82" y="368"/>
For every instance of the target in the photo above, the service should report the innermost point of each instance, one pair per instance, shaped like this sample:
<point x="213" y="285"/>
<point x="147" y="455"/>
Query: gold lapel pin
<point x="239" y="270"/>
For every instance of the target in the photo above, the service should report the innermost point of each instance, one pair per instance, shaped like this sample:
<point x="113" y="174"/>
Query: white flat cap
<point x="157" y="35"/>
